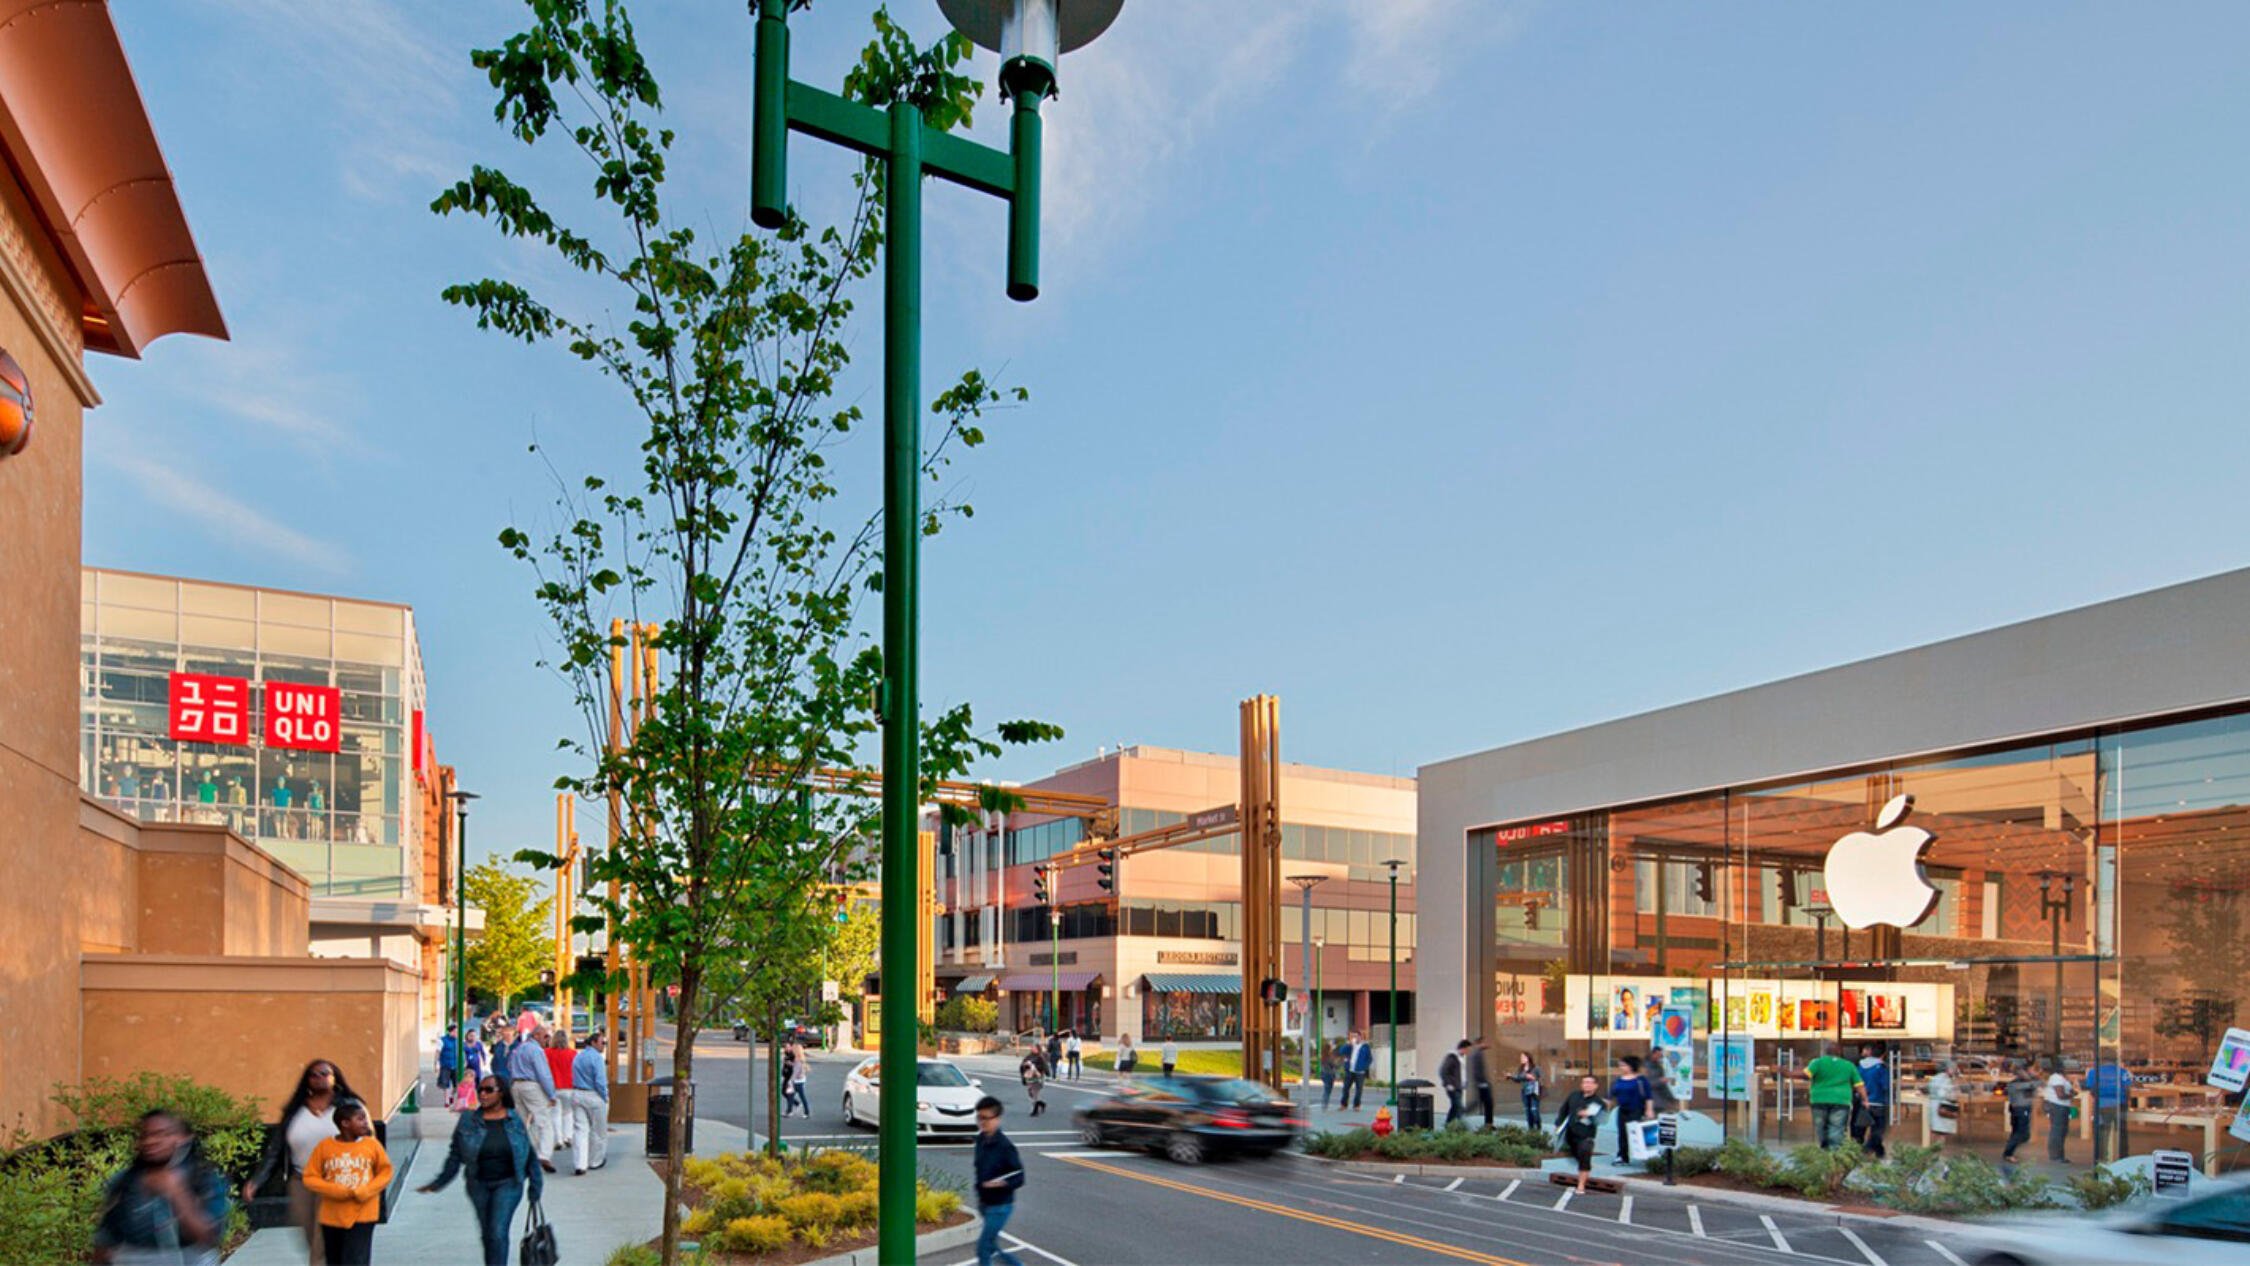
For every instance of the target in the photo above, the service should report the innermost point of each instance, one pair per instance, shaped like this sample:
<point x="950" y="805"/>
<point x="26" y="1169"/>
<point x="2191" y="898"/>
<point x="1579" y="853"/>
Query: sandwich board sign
<point x="2172" y="1171"/>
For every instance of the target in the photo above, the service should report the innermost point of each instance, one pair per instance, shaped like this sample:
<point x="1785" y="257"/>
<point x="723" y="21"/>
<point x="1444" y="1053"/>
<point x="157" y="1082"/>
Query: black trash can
<point x="665" y="1096"/>
<point x="1417" y="1107"/>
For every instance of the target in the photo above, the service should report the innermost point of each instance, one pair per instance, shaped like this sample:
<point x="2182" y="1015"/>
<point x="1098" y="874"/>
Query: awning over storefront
<point x="1190" y="982"/>
<point x="971" y="984"/>
<point x="1045" y="981"/>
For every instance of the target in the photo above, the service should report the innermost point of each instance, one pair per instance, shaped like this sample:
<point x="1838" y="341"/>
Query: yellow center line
<point x="1338" y="1224"/>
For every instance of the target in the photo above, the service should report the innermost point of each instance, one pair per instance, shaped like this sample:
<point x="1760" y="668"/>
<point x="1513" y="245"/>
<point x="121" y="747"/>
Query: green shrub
<point x="1687" y="1162"/>
<point x="1503" y="1146"/>
<point x="935" y="1206"/>
<point x="968" y="1014"/>
<point x="51" y="1189"/>
<point x="1745" y="1161"/>
<point x="635" y="1255"/>
<point x="2100" y="1188"/>
<point x="1819" y="1172"/>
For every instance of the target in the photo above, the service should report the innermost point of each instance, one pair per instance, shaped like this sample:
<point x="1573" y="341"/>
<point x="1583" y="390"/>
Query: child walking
<point x="348" y="1173"/>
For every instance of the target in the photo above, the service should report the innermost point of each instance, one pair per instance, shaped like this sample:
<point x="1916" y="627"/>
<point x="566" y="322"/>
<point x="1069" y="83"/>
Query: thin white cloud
<point x="224" y="517"/>
<point x="261" y="379"/>
<point x="392" y="89"/>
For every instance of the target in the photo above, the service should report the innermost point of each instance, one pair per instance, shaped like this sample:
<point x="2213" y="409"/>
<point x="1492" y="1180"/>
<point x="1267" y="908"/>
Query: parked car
<point x="2210" y="1228"/>
<point x="1188" y="1118"/>
<point x="791" y="1031"/>
<point x="945" y="1097"/>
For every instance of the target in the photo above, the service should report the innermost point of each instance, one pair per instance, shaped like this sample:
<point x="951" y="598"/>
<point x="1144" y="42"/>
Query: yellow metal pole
<point x="616" y="816"/>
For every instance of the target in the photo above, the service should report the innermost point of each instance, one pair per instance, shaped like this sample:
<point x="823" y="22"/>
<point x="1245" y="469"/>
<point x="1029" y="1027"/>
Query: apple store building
<point x="1988" y="860"/>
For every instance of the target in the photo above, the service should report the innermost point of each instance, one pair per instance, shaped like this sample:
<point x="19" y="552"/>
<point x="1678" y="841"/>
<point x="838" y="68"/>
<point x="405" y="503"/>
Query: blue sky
<point x="1459" y="372"/>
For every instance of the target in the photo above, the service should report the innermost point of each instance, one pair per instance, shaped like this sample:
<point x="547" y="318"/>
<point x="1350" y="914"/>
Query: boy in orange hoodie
<point x="348" y="1173"/>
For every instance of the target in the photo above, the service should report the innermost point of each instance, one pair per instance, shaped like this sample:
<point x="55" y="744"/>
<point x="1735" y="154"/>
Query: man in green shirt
<point x="1836" y="1089"/>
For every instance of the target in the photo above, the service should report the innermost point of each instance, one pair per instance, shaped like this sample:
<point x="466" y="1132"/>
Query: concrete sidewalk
<point x="618" y="1204"/>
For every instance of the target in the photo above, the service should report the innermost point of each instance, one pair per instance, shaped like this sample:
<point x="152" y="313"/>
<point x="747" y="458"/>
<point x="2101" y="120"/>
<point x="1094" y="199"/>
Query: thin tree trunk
<point x="683" y="1073"/>
<point x="773" y="1092"/>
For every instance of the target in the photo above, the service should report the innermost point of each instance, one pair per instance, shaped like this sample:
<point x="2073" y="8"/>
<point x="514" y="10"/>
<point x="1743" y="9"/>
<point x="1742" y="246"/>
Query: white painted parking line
<point x="1026" y="1244"/>
<point x="1775" y="1232"/>
<point x="1562" y="1202"/>
<point x="1510" y="1189"/>
<point x="1625" y="1210"/>
<point x="1068" y="1155"/>
<point x="1946" y="1253"/>
<point x="1695" y="1220"/>
<point x="1873" y="1258"/>
<point x="1455" y="1183"/>
<point x="1400" y="1179"/>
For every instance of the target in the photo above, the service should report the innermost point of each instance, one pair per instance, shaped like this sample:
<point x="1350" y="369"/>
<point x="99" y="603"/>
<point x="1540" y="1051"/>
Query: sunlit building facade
<point x="2029" y="844"/>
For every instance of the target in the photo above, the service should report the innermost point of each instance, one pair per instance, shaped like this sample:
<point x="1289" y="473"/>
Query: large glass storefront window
<point x="1190" y="1016"/>
<point x="340" y="819"/>
<point x="2079" y="908"/>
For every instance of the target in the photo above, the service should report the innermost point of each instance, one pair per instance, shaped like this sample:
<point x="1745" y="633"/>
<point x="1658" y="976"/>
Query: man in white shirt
<point x="2057" y="1096"/>
<point x="1169" y="1056"/>
<point x="1076" y="1070"/>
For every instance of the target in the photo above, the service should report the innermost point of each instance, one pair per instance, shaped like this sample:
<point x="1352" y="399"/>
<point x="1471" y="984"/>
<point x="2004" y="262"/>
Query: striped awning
<point x="1045" y="981"/>
<point x="971" y="984"/>
<point x="1190" y="982"/>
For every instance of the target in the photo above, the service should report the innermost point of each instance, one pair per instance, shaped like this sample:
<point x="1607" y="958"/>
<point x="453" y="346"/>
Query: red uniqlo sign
<point x="303" y="717"/>
<point x="210" y="709"/>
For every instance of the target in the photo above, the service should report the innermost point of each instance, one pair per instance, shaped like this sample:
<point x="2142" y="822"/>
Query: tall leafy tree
<point x="729" y="535"/>
<point x="518" y="939"/>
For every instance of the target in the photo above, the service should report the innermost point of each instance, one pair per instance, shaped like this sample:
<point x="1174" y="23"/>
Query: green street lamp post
<point x="1394" y="864"/>
<point x="1030" y="36"/>
<point x="461" y="801"/>
<point x="1319" y="944"/>
<point x="1305" y="885"/>
<point x="1054" y="964"/>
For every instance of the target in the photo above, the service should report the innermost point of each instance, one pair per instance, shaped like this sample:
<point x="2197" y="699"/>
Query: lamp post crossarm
<point x="825" y="115"/>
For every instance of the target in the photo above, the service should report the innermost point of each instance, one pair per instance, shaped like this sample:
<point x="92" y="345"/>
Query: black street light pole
<point x="461" y="801"/>
<point x="1394" y="864"/>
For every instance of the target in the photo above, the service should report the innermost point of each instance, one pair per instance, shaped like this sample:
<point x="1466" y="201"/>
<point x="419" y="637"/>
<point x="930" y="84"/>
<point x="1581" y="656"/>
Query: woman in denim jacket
<point x="491" y="1144"/>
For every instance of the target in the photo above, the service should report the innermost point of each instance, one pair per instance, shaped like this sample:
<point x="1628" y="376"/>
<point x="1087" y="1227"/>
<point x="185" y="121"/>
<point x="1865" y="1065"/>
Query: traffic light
<point x="1707" y="883"/>
<point x="1039" y="886"/>
<point x="547" y="977"/>
<point x="1273" y="990"/>
<point x="1785" y="884"/>
<point x="1531" y="915"/>
<point x="1107" y="869"/>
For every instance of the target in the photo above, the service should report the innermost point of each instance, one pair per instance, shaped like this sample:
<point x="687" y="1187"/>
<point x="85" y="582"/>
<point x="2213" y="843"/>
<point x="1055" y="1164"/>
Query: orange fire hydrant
<point x="1382" y="1121"/>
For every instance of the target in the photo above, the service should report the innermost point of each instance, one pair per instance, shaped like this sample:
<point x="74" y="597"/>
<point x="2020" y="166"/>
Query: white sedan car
<point x="2211" y="1228"/>
<point x="945" y="1098"/>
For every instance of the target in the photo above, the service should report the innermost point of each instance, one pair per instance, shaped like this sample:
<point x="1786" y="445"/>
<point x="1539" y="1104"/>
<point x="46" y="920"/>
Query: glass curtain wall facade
<point x="343" y="819"/>
<point x="2091" y="913"/>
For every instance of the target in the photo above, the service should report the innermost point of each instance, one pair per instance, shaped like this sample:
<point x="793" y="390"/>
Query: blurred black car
<point x="1188" y="1118"/>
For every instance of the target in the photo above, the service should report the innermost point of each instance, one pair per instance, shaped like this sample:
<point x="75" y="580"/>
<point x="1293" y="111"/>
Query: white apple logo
<point x="1877" y="877"/>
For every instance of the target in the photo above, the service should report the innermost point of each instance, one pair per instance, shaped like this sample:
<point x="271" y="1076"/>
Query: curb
<point x="1834" y="1215"/>
<point x="934" y="1242"/>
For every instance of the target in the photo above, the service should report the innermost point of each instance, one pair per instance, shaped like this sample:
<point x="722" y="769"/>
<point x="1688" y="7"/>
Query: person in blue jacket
<point x="492" y="1145"/>
<point x="999" y="1176"/>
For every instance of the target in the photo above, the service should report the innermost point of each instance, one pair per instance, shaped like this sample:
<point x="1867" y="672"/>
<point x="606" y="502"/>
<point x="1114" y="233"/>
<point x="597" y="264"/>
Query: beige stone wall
<point x="249" y="1025"/>
<point x="46" y="880"/>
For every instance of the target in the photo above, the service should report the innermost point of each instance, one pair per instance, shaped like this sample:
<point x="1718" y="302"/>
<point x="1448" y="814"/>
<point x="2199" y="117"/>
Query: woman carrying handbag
<point x="492" y="1145"/>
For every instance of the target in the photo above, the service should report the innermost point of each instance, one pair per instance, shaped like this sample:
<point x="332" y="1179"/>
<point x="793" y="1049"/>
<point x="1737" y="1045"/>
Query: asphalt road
<point x="1108" y="1207"/>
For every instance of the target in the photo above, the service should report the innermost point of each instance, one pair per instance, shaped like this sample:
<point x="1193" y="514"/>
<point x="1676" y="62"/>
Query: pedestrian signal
<point x="1707" y="883"/>
<point x="1107" y="869"/>
<point x="1272" y="990"/>
<point x="1039" y="891"/>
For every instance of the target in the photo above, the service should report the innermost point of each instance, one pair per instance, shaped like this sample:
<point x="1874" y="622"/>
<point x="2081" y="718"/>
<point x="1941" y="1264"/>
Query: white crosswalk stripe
<point x="1510" y="1189"/>
<point x="1695" y="1220"/>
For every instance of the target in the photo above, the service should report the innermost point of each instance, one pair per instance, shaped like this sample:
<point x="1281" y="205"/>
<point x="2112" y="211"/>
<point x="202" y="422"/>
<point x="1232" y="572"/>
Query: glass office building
<point x="2072" y="899"/>
<point x="155" y="649"/>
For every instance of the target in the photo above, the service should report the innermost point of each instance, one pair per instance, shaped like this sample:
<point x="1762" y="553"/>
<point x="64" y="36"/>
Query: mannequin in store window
<point x="129" y="788"/>
<point x="316" y="808"/>
<point x="283" y="825"/>
<point x="207" y="799"/>
<point x="238" y="801"/>
<point x="160" y="799"/>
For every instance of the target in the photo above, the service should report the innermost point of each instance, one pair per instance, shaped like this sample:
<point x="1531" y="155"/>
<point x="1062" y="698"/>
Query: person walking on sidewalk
<point x="1033" y="1073"/>
<point x="1128" y="1059"/>
<point x="1941" y="1103"/>
<point x="308" y="1117"/>
<point x="1578" y="1123"/>
<point x="999" y="1169"/>
<point x="1358" y="1060"/>
<point x="1630" y="1092"/>
<point x="168" y="1206"/>
<point x="2022" y="1091"/>
<point x="491" y="1143"/>
<point x="1327" y="1072"/>
<point x="1077" y="1069"/>
<point x="1870" y="1122"/>
<point x="1450" y="1076"/>
<point x="1055" y="1054"/>
<point x="348" y="1173"/>
<point x="1169" y="1056"/>
<point x="560" y="1056"/>
<point x="2060" y="1099"/>
<point x="449" y="1061"/>
<point x="532" y="1084"/>
<point x="793" y="1080"/>
<point x="1480" y="1077"/>
<point x="1526" y="1076"/>
<point x="1834" y="1089"/>
<point x="589" y="1107"/>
